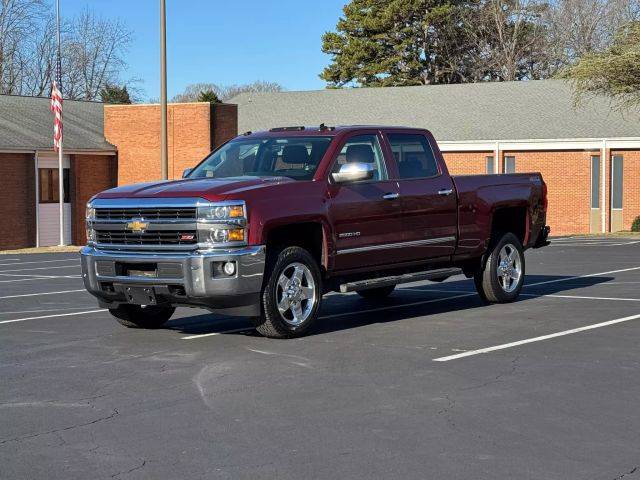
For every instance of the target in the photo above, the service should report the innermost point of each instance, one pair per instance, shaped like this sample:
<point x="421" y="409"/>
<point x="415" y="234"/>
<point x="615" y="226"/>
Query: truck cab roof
<point x="325" y="130"/>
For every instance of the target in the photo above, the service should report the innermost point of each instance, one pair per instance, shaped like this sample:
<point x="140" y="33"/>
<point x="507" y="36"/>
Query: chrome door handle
<point x="390" y="196"/>
<point x="445" y="192"/>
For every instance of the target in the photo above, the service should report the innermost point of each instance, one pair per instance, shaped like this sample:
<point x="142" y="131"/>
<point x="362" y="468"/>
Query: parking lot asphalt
<point x="428" y="383"/>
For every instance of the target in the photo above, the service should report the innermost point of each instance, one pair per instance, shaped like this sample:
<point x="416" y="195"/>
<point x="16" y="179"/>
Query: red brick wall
<point x="17" y="198"/>
<point x="90" y="174"/>
<point x="225" y="123"/>
<point x="135" y="131"/>
<point x="568" y="178"/>
<point x="630" y="186"/>
<point x="466" y="163"/>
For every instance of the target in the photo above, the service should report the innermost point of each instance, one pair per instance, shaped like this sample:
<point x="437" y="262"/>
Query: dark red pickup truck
<point x="271" y="221"/>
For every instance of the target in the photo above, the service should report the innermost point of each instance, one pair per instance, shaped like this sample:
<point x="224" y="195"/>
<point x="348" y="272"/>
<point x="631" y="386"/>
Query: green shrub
<point x="635" y="226"/>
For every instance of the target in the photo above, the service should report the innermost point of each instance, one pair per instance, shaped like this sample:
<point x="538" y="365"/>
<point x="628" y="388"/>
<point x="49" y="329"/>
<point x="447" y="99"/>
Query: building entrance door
<point x="48" y="207"/>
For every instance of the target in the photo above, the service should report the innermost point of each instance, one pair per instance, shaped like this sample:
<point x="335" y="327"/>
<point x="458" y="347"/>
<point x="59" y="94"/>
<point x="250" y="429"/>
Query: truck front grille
<point x="126" y="214"/>
<point x="160" y="237"/>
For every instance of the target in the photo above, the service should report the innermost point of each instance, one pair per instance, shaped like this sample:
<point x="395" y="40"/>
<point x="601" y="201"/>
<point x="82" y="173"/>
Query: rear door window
<point x="413" y="155"/>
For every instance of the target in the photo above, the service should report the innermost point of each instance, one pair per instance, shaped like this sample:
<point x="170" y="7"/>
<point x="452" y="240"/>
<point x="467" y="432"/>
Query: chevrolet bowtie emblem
<point x="137" y="225"/>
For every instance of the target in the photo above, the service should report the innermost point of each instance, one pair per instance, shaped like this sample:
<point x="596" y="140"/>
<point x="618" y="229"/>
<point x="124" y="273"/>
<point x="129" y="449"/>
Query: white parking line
<point x="534" y="295"/>
<point x="592" y="244"/>
<point x="535" y="339"/>
<point x="52" y="316"/>
<point x="35" y="275"/>
<point x="40" y="268"/>
<point x="42" y="293"/>
<point x="41" y="261"/>
<point x="567" y="279"/>
<point x="212" y="334"/>
<point x="38" y="278"/>
<point x="61" y="309"/>
<point x="581" y="297"/>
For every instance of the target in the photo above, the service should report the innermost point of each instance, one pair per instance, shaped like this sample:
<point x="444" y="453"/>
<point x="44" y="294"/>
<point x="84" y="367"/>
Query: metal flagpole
<point x="164" y="152"/>
<point x="60" y="169"/>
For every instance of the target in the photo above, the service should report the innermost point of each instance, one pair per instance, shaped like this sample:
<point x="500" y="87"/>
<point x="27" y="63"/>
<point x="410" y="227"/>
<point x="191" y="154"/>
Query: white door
<point x="48" y="206"/>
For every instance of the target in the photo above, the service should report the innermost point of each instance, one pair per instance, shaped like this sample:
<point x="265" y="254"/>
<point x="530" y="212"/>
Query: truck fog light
<point x="229" y="268"/>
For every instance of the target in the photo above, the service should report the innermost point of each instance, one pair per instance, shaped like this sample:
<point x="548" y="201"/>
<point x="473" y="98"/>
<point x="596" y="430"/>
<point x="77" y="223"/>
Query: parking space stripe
<point x="212" y="334"/>
<point x="52" y="316"/>
<point x="593" y="244"/>
<point x="39" y="268"/>
<point x="42" y="261"/>
<point x="535" y="339"/>
<point x="42" y="293"/>
<point x="35" y="275"/>
<point x="536" y="295"/>
<point x="589" y="275"/>
<point x="34" y="278"/>
<point x="583" y="297"/>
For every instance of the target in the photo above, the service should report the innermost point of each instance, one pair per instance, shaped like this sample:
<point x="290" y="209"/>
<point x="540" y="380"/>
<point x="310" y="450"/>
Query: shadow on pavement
<point x="341" y="312"/>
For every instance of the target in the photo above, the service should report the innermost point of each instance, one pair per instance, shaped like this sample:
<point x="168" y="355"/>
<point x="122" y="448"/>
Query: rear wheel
<point x="291" y="295"/>
<point x="378" y="292"/>
<point x="139" y="316"/>
<point x="501" y="277"/>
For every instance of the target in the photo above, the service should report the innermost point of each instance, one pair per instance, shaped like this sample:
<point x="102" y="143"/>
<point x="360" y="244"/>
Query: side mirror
<point x="186" y="172"/>
<point x="353" y="172"/>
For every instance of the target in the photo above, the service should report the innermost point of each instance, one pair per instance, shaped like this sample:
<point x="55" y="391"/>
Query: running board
<point x="398" y="279"/>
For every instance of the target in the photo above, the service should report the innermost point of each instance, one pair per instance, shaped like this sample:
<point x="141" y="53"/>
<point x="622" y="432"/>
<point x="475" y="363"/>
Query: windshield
<point x="293" y="157"/>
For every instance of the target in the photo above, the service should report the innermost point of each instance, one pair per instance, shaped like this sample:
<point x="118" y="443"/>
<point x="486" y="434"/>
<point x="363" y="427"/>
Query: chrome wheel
<point x="296" y="293"/>
<point x="509" y="268"/>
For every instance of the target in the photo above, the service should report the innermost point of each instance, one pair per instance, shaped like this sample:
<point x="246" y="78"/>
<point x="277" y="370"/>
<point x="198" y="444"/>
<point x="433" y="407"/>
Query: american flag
<point x="56" y="108"/>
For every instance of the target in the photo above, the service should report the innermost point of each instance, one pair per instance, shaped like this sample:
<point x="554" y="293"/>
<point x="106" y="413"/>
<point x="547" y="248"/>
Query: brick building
<point x="104" y="146"/>
<point x="589" y="156"/>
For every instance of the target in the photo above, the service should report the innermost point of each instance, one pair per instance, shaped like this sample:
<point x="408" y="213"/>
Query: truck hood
<point x="209" y="188"/>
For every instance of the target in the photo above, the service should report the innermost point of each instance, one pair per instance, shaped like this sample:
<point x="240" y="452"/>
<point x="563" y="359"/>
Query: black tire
<point x="137" y="316"/>
<point x="271" y="322"/>
<point x="488" y="283"/>
<point x="376" y="293"/>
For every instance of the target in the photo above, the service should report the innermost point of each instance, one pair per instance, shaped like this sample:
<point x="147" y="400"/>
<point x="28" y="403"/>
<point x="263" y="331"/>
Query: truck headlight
<point x="90" y="216"/>
<point x="223" y="224"/>
<point x="90" y="212"/>
<point x="91" y="235"/>
<point x="221" y="212"/>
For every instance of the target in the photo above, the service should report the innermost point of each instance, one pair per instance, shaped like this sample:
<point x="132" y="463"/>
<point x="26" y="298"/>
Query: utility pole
<point x="164" y="150"/>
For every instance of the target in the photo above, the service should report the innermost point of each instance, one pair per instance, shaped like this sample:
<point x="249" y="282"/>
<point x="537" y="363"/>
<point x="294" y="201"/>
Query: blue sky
<point x="223" y="41"/>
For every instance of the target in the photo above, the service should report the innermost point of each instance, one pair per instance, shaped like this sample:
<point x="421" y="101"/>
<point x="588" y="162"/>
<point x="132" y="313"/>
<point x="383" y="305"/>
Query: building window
<point x="491" y="164"/>
<point x="49" y="185"/>
<point x="595" y="181"/>
<point x="509" y="165"/>
<point x="413" y="155"/>
<point x="616" y="181"/>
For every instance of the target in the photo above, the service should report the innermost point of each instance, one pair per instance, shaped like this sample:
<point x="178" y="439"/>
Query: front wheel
<point x="139" y="316"/>
<point x="501" y="277"/>
<point x="291" y="295"/>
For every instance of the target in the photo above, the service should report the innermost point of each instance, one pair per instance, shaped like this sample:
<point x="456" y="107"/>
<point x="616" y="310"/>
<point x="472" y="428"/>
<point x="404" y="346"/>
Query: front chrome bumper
<point x="188" y="279"/>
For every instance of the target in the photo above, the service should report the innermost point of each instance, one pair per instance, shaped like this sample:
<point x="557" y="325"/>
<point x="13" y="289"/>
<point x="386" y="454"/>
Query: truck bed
<point x="480" y="195"/>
